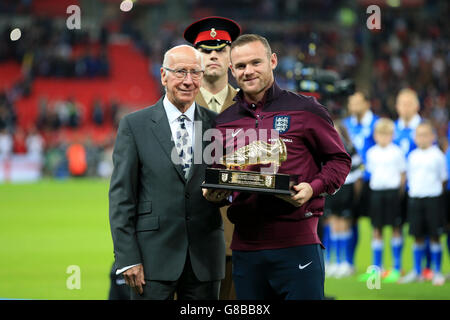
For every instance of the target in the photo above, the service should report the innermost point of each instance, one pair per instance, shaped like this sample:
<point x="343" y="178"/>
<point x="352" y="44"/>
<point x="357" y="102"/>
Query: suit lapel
<point x="163" y="134"/>
<point x="200" y="100"/>
<point x="229" y="99"/>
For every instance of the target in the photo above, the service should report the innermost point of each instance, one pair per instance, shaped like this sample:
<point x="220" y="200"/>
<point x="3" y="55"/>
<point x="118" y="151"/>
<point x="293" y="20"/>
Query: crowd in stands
<point x="78" y="159"/>
<point x="49" y="50"/>
<point x="307" y="33"/>
<point x="300" y="38"/>
<point x="47" y="139"/>
<point x="67" y="113"/>
<point x="414" y="54"/>
<point x="7" y="112"/>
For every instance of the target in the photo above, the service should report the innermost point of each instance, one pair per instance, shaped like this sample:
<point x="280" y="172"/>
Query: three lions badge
<point x="281" y="123"/>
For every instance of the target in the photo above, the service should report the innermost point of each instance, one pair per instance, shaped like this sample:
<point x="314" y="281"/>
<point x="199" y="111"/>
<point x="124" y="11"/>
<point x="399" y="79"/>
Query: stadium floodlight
<point x="126" y="5"/>
<point x="15" y="34"/>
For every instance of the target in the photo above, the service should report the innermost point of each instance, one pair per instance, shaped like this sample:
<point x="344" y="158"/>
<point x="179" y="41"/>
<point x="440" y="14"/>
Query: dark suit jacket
<point x="156" y="215"/>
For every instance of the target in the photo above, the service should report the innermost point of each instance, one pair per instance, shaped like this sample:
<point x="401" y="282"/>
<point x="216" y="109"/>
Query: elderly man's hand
<point x="134" y="277"/>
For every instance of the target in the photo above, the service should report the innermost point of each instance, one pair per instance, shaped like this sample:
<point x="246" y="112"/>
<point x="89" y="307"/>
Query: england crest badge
<point x="281" y="123"/>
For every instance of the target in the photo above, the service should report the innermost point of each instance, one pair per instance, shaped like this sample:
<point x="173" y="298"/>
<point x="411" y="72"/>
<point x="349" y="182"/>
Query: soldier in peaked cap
<point x="212" y="36"/>
<point x="212" y="33"/>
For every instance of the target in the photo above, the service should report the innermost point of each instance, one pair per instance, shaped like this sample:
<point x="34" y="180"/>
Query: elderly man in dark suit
<point x="167" y="237"/>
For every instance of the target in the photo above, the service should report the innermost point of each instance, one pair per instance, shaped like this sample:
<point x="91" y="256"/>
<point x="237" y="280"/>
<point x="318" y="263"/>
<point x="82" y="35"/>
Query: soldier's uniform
<point x="214" y="33"/>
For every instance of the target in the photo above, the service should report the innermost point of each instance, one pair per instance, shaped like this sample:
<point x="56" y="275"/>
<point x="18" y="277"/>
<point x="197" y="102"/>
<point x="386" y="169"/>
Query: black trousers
<point x="187" y="287"/>
<point x="294" y="273"/>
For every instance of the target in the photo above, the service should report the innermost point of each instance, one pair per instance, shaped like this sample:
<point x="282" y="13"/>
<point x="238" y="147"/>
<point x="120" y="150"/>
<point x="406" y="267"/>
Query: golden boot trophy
<point x="255" y="154"/>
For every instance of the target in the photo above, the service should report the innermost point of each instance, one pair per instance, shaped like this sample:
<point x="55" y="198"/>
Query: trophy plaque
<point x="235" y="177"/>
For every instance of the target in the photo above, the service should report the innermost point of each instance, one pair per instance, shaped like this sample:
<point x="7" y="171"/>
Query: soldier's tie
<point x="214" y="105"/>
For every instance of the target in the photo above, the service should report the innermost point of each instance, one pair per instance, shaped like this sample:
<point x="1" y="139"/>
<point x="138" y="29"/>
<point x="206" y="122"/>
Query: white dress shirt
<point x="173" y="114"/>
<point x="426" y="172"/>
<point x="386" y="165"/>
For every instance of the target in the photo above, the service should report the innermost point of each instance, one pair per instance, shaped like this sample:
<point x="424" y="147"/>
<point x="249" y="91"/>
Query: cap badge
<point x="213" y="33"/>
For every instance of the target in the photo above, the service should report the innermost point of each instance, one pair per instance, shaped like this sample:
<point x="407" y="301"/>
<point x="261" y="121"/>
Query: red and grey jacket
<point x="315" y="153"/>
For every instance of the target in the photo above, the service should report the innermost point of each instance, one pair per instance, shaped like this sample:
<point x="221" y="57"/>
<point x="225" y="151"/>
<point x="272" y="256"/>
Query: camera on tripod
<point x="326" y="83"/>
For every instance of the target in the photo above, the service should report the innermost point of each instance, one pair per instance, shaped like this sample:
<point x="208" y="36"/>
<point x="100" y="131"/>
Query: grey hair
<point x="168" y="54"/>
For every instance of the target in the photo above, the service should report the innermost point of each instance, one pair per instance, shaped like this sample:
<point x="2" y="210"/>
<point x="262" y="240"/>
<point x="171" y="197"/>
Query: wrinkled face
<point x="406" y="106"/>
<point x="216" y="62"/>
<point x="253" y="68"/>
<point x="424" y="137"/>
<point x="357" y="104"/>
<point x="182" y="91"/>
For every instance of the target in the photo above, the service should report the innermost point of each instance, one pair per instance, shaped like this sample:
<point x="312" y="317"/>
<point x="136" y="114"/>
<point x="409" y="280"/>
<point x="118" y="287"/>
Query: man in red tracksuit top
<point x="277" y="253"/>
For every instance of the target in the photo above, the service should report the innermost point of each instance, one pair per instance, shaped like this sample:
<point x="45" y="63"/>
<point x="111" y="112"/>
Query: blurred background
<point x="63" y="90"/>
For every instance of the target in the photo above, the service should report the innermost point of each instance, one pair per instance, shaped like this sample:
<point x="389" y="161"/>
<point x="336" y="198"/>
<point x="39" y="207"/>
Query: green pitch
<point x="47" y="227"/>
<point x="350" y="288"/>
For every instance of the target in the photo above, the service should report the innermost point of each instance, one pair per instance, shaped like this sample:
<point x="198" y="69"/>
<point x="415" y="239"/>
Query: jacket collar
<point x="158" y="112"/>
<point x="162" y="132"/>
<point x="173" y="113"/>
<point x="272" y="93"/>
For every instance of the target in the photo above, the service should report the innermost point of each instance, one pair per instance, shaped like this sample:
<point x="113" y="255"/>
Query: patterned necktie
<point x="184" y="145"/>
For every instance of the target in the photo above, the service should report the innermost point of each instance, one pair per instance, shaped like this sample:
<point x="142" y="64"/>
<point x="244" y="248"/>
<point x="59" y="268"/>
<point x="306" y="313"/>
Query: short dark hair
<point x="248" y="38"/>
